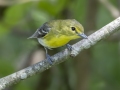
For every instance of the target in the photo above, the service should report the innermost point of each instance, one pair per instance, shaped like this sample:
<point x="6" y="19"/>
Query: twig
<point x="11" y="2"/>
<point x="61" y="56"/>
<point x="112" y="9"/>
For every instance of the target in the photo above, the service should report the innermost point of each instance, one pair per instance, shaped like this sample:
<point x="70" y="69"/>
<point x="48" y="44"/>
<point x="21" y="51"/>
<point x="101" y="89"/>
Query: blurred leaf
<point x="79" y="8"/>
<point x="39" y="17"/>
<point x="52" y="7"/>
<point x="115" y="3"/>
<point x="8" y="68"/>
<point x="14" y="14"/>
<point x="106" y="63"/>
<point x="28" y="84"/>
<point x="104" y="17"/>
<point x="3" y="30"/>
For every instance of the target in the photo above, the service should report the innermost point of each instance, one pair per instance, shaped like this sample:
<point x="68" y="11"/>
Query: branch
<point x="61" y="56"/>
<point x="11" y="2"/>
<point x="112" y="9"/>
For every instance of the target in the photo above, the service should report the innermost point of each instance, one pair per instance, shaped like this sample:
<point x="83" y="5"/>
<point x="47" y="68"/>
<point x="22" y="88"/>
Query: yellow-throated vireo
<point x="57" y="33"/>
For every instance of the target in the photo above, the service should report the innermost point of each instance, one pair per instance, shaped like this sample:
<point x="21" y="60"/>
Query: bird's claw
<point x="69" y="47"/>
<point x="49" y="59"/>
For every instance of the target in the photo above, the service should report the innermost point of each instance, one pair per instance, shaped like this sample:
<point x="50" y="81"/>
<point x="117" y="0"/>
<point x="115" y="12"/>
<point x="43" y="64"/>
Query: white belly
<point x="41" y="41"/>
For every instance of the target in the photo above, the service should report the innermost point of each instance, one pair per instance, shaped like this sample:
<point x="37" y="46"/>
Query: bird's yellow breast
<point x="56" y="39"/>
<point x="54" y="42"/>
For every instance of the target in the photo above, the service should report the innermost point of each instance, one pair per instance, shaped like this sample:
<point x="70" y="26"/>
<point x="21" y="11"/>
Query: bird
<point x="57" y="33"/>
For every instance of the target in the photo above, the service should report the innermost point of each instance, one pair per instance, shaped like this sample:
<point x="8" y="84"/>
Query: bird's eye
<point x="73" y="28"/>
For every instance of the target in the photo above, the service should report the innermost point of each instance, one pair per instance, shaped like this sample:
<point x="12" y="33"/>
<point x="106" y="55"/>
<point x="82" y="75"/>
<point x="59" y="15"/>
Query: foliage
<point x="19" y="20"/>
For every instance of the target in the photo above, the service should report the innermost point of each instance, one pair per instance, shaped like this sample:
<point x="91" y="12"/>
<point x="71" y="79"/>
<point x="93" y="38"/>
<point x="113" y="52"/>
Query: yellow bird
<point x="57" y="33"/>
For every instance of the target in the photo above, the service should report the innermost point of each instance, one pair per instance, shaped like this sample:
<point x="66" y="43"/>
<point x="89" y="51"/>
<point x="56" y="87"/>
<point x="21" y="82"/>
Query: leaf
<point x="53" y="7"/>
<point x="15" y="13"/>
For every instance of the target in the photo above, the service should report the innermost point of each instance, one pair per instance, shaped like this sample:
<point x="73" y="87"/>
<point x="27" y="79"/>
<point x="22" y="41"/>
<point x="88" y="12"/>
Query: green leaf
<point x="52" y="7"/>
<point x="15" y="13"/>
<point x="3" y="30"/>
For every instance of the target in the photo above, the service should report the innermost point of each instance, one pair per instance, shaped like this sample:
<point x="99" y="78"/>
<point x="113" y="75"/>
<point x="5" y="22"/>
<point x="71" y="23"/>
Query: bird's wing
<point x="41" y="32"/>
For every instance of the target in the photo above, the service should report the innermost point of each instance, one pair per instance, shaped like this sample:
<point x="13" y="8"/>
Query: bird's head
<point x="76" y="30"/>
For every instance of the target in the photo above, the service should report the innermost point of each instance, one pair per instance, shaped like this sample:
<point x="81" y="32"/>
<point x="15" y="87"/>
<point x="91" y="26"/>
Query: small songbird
<point x="57" y="33"/>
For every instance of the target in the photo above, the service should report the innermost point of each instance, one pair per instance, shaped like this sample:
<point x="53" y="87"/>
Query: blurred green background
<point x="97" y="68"/>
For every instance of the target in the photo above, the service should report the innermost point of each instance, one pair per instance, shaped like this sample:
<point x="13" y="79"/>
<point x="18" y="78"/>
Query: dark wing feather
<point x="41" y="32"/>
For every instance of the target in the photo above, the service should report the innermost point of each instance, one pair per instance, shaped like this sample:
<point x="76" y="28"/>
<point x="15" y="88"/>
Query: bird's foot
<point x="69" y="47"/>
<point x="49" y="59"/>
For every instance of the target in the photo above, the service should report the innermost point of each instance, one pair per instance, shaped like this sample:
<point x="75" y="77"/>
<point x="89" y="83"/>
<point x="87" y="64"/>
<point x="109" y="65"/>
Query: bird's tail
<point x="33" y="36"/>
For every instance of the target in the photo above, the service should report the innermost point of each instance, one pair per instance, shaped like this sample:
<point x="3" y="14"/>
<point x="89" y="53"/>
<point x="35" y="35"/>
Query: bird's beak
<point x="83" y="36"/>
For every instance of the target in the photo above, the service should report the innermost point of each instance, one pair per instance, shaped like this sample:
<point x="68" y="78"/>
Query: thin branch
<point x="61" y="56"/>
<point x="112" y="9"/>
<point x="11" y="2"/>
<point x="114" y="37"/>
